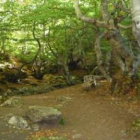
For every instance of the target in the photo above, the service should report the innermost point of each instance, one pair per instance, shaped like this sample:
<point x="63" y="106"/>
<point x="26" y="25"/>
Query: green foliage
<point x="54" y="24"/>
<point x="25" y="58"/>
<point x="62" y="121"/>
<point x="43" y="138"/>
<point x="135" y="125"/>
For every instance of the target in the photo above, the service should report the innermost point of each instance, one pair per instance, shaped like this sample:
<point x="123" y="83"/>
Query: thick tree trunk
<point x="99" y="57"/>
<point x="123" y="55"/>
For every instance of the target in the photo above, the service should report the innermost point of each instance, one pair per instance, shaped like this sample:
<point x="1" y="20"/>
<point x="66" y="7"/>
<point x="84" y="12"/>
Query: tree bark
<point x="99" y="57"/>
<point x="123" y="55"/>
<point x="135" y="12"/>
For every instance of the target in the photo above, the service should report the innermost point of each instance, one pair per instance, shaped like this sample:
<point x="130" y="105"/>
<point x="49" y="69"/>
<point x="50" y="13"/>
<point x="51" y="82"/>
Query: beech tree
<point x="110" y="27"/>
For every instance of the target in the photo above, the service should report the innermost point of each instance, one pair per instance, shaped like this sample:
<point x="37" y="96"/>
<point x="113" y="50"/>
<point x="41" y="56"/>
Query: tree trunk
<point x="124" y="58"/>
<point x="135" y="12"/>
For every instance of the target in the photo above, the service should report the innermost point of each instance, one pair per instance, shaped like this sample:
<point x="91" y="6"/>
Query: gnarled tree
<point x="110" y="28"/>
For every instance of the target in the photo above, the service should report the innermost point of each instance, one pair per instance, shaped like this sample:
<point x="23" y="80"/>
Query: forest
<point x="63" y="55"/>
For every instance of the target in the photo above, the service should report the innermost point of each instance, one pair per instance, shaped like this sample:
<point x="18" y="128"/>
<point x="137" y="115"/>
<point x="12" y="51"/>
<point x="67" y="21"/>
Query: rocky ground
<point x="86" y="115"/>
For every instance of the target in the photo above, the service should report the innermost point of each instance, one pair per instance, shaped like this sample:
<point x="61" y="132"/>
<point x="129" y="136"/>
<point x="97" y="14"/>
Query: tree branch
<point x="124" y="26"/>
<point x="87" y="19"/>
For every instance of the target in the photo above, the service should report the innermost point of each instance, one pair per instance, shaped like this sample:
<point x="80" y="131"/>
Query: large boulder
<point x="42" y="114"/>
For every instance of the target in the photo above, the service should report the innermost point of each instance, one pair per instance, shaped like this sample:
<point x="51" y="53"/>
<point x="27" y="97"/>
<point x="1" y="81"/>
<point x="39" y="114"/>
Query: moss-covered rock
<point x="43" y="114"/>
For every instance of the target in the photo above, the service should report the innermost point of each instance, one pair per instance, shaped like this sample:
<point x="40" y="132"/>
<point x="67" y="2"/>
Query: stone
<point x="18" y="122"/>
<point x="43" y="114"/>
<point x="77" y="136"/>
<point x="14" y="101"/>
<point x="87" y="86"/>
<point x="63" y="99"/>
<point x="55" y="138"/>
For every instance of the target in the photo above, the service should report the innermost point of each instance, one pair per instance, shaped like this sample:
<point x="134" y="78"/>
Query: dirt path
<point x="89" y="115"/>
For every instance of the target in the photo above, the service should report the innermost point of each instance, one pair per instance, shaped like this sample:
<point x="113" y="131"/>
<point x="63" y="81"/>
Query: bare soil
<point x="92" y="115"/>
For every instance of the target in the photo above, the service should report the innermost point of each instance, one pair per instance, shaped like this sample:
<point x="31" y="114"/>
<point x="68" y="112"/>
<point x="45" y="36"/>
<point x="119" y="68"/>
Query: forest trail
<point x="92" y="115"/>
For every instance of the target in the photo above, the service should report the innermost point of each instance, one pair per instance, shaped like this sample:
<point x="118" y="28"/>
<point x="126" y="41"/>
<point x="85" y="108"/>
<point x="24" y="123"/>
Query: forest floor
<point x="92" y="115"/>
